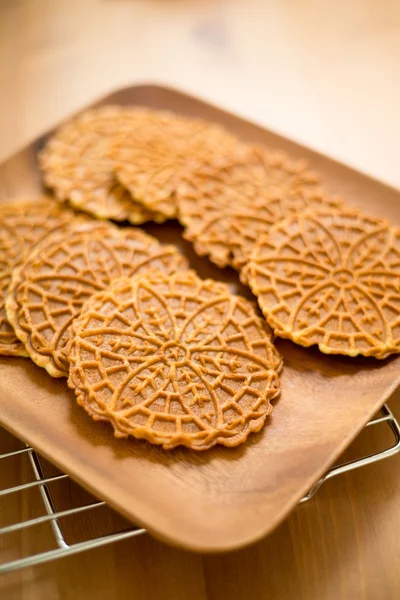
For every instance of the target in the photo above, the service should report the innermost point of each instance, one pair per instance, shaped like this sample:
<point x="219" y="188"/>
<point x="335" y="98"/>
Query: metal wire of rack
<point x="54" y="517"/>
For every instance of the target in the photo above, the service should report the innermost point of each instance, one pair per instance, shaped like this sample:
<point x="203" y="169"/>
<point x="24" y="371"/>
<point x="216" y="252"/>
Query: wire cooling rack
<point x="54" y="518"/>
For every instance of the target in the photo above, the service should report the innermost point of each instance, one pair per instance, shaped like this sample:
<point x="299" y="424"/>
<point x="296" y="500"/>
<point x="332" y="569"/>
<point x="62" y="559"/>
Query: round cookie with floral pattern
<point x="226" y="203"/>
<point x="48" y="291"/>
<point x="174" y="360"/>
<point x="331" y="278"/>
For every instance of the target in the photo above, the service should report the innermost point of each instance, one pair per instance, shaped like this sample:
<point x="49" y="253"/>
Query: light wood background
<point x="324" y="72"/>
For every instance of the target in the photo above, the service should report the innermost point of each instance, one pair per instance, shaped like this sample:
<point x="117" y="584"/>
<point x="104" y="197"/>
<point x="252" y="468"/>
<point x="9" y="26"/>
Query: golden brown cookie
<point x="22" y="224"/>
<point x="76" y="164"/>
<point x="174" y="360"/>
<point x="48" y="291"/>
<point x="331" y="278"/>
<point x="226" y="204"/>
<point x="149" y="160"/>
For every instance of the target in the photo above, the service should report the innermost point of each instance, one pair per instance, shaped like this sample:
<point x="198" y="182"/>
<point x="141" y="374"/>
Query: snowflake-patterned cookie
<point x="49" y="289"/>
<point x="174" y="360"/>
<point x="331" y="278"/>
<point x="75" y="163"/>
<point x="226" y="204"/>
<point x="150" y="160"/>
<point x="22" y="224"/>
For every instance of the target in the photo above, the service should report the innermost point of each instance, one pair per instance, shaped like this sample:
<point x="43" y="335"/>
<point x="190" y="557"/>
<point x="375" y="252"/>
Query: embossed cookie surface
<point x="226" y="204"/>
<point x="332" y="279"/>
<point x="50" y="288"/>
<point x="149" y="161"/>
<point x="75" y="163"/>
<point x="174" y="360"/>
<point x="22" y="224"/>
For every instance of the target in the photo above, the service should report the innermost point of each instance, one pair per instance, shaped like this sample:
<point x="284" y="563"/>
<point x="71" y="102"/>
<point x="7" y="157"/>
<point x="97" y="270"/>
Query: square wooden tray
<point x="223" y="498"/>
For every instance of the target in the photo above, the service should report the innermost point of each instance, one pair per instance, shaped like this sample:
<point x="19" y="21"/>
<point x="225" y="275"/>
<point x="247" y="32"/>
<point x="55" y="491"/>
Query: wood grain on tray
<point x="226" y="497"/>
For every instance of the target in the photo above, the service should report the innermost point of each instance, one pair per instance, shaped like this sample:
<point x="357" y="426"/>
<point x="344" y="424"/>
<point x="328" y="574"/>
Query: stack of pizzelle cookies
<point x="146" y="344"/>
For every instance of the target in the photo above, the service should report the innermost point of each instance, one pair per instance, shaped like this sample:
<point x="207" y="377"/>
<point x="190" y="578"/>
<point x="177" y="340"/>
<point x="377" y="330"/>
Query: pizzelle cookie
<point x="225" y="204"/>
<point x="174" y="360"/>
<point x="331" y="278"/>
<point x="49" y="289"/>
<point x="149" y="160"/>
<point x="76" y="164"/>
<point x="22" y="224"/>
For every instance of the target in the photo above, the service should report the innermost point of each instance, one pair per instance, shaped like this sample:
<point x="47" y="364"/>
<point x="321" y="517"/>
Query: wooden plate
<point x="223" y="498"/>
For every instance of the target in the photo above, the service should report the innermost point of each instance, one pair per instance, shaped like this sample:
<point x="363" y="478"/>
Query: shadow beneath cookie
<point x="171" y="232"/>
<point x="100" y="433"/>
<point x="310" y="360"/>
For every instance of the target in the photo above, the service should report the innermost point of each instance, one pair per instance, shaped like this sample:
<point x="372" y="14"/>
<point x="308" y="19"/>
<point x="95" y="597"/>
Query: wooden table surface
<point x="324" y="73"/>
